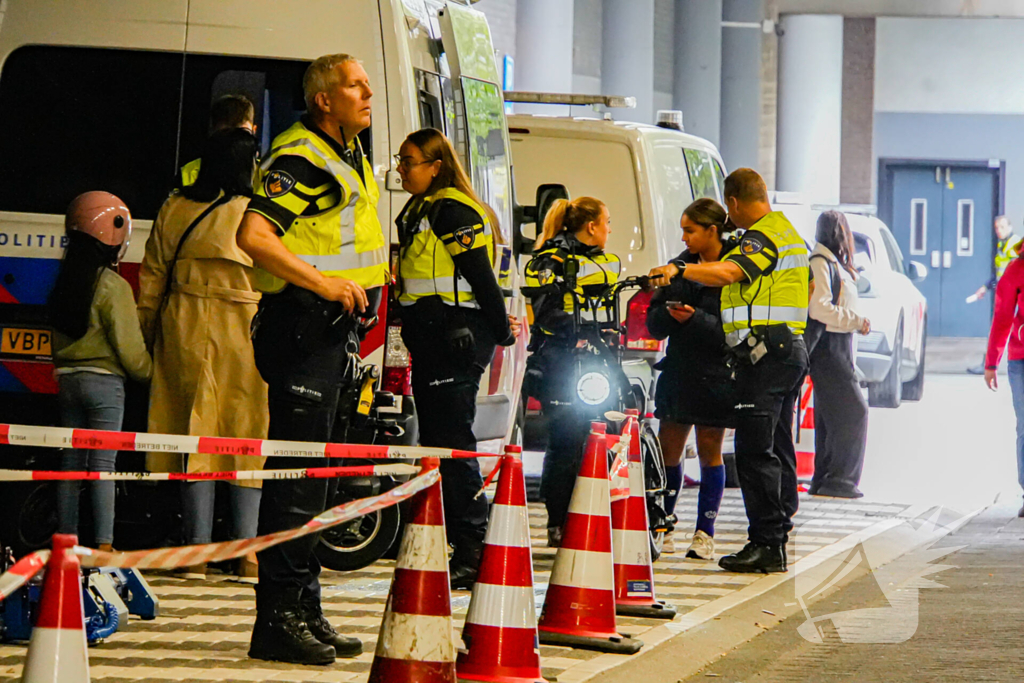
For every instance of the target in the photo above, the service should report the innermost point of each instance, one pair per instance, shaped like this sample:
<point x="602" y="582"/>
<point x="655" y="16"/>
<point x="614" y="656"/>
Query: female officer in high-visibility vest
<point x="453" y="315"/>
<point x="574" y="231"/>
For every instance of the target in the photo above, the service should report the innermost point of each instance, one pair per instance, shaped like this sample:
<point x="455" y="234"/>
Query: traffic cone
<point x="57" y="650"/>
<point x="579" y="608"/>
<point x="416" y="641"/>
<point x="501" y="626"/>
<point x="805" y="433"/>
<point x="631" y="542"/>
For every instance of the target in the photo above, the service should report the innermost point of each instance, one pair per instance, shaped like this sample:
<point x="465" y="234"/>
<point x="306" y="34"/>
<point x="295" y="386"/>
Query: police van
<point x="114" y="95"/>
<point x="646" y="175"/>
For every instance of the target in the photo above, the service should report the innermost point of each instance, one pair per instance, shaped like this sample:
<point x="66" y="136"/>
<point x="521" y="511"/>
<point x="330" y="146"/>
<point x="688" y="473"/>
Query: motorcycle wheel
<point x="360" y="542"/>
<point x="655" y="481"/>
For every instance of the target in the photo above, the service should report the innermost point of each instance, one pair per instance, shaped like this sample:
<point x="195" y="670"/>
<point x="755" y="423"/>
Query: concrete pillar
<point x="740" y="134"/>
<point x="698" y="66"/>
<point x="544" y="51"/>
<point x="811" y="106"/>
<point x="627" y="60"/>
<point x="858" y="168"/>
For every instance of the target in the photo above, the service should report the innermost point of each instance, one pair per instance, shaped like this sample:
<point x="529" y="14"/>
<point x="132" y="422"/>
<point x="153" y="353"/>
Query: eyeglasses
<point x="406" y="162"/>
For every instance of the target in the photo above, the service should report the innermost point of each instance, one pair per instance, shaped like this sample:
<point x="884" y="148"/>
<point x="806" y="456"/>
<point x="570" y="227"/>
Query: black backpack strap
<point x="223" y="199"/>
<point x="834" y="276"/>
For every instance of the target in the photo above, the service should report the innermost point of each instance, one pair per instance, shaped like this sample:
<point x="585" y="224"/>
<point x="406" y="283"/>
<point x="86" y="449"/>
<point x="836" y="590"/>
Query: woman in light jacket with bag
<point x="840" y="411"/>
<point x="196" y="304"/>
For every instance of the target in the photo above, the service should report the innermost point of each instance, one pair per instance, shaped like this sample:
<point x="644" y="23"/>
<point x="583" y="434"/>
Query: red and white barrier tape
<point x="22" y="571"/>
<point x="95" y="439"/>
<point x="237" y="475"/>
<point x="171" y="558"/>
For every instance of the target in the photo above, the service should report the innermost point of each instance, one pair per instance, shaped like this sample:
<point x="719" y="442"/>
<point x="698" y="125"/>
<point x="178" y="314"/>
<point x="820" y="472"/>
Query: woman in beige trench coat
<point x="205" y="381"/>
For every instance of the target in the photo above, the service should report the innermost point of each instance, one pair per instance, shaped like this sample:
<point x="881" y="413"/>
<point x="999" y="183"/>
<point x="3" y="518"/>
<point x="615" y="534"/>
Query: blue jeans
<point x="197" y="511"/>
<point x="89" y="400"/>
<point x="1016" y="370"/>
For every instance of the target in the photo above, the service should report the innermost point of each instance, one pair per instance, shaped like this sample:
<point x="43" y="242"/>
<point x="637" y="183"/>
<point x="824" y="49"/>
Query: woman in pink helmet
<point x="97" y="343"/>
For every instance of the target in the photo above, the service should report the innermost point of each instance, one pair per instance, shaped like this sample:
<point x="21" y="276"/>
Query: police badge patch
<point x="277" y="184"/>
<point x="465" y="236"/>
<point x="750" y="246"/>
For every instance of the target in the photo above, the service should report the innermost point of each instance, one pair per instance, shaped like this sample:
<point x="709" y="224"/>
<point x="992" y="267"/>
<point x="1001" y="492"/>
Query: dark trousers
<point x="765" y="453"/>
<point x="567" y="435"/>
<point x="445" y="386"/>
<point x="840" y="415"/>
<point x="304" y="388"/>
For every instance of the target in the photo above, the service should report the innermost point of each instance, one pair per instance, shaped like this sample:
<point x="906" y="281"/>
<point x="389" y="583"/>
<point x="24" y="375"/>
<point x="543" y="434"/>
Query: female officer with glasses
<point x="453" y="315"/>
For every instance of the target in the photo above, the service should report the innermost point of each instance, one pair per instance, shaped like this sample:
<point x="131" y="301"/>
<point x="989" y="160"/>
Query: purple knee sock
<point x="709" y="498"/>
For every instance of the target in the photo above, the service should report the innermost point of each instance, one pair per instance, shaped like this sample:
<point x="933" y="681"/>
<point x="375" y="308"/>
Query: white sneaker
<point x="702" y="547"/>
<point x="668" y="546"/>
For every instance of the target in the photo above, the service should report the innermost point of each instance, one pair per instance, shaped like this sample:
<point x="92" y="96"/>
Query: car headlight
<point x="593" y="388"/>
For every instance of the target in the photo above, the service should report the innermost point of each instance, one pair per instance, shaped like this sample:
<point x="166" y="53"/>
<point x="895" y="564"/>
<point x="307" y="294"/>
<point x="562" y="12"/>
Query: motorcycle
<point x="603" y="392"/>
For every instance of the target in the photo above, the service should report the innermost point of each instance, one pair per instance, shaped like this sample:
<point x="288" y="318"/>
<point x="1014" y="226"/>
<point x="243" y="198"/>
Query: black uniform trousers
<point x="765" y="453"/>
<point x="840" y="415"/>
<point x="445" y="387"/>
<point x="304" y="388"/>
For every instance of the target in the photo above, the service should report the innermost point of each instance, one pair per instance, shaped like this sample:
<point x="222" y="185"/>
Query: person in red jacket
<point x="1008" y="322"/>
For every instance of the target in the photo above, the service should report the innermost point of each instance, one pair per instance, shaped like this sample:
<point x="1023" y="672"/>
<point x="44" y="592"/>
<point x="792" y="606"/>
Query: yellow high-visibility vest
<point x="189" y="173"/>
<point x="591" y="270"/>
<point x="778" y="297"/>
<point x="426" y="266"/>
<point x="344" y="240"/>
<point x="1006" y="251"/>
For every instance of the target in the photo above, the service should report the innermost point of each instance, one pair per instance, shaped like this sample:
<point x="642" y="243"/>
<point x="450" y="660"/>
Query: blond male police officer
<point x="313" y="232"/>
<point x="764" y="285"/>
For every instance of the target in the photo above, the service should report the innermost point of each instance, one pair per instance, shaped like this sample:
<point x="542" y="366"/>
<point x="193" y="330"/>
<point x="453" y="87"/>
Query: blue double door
<point x="941" y="216"/>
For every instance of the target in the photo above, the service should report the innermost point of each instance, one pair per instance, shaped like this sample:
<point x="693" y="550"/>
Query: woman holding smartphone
<point x="695" y="388"/>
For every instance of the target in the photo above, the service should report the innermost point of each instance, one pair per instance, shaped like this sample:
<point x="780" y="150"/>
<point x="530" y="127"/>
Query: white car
<point x="890" y="359"/>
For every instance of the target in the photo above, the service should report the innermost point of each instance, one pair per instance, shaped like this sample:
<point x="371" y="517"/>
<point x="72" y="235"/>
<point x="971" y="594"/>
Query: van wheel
<point x="889" y="392"/>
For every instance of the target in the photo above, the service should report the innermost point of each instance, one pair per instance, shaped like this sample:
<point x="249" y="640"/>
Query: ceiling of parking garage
<point x="903" y="8"/>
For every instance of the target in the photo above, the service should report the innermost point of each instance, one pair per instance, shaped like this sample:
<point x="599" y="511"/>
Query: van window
<point x="586" y="167"/>
<point x="892" y="250"/>
<point x="720" y="179"/>
<point x="274" y="86"/>
<point x="486" y="149"/>
<point x="80" y="119"/>
<point x="672" y="183"/>
<point x="702" y="174"/>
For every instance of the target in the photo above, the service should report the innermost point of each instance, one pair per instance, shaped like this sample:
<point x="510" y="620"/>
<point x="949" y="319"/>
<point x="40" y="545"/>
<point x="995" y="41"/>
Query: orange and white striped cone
<point x="805" y="433"/>
<point x="631" y="541"/>
<point x="579" y="608"/>
<point x="416" y="641"/>
<point x="57" y="650"/>
<point x="501" y="626"/>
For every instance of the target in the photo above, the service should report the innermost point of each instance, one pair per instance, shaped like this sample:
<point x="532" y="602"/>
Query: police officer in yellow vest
<point x="764" y="284"/>
<point x="1006" y="250"/>
<point x="453" y="314"/>
<point x="227" y="111"/>
<point x="321" y="258"/>
<point x="569" y="253"/>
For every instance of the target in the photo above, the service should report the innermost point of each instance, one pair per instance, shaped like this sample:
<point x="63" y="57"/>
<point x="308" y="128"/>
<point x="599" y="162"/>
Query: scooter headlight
<point x="593" y="388"/>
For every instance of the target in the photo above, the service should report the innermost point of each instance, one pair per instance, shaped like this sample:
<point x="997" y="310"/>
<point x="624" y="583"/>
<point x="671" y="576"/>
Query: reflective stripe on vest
<point x="1006" y="251"/>
<point x="776" y="298"/>
<point x="591" y="270"/>
<point x="344" y="241"/>
<point x="426" y="266"/>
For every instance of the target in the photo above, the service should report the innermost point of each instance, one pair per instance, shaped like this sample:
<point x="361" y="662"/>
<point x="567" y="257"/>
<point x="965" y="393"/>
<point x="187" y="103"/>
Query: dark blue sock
<point x="709" y="499"/>
<point x="673" y="482"/>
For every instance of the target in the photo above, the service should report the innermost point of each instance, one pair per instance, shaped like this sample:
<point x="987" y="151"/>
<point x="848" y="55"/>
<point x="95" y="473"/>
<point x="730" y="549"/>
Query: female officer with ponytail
<point x="572" y="243"/>
<point x="453" y="315"/>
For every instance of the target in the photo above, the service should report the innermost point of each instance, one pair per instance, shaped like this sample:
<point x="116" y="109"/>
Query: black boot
<point x="313" y="615"/>
<point x="754" y="557"/>
<point x="280" y="634"/>
<point x="465" y="564"/>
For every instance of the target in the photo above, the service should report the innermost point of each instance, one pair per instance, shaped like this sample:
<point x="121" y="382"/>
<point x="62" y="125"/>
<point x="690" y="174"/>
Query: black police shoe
<point x="464" y="565"/>
<point x="282" y="636"/>
<point x="313" y="615"/>
<point x="754" y="558"/>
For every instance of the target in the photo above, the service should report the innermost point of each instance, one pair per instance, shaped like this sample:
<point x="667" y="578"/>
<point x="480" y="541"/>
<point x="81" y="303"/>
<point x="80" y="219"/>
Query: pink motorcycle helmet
<point x="102" y="216"/>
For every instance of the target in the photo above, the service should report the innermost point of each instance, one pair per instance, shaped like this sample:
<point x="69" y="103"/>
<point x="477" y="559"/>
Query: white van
<point x="115" y="95"/>
<point x="645" y="174"/>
